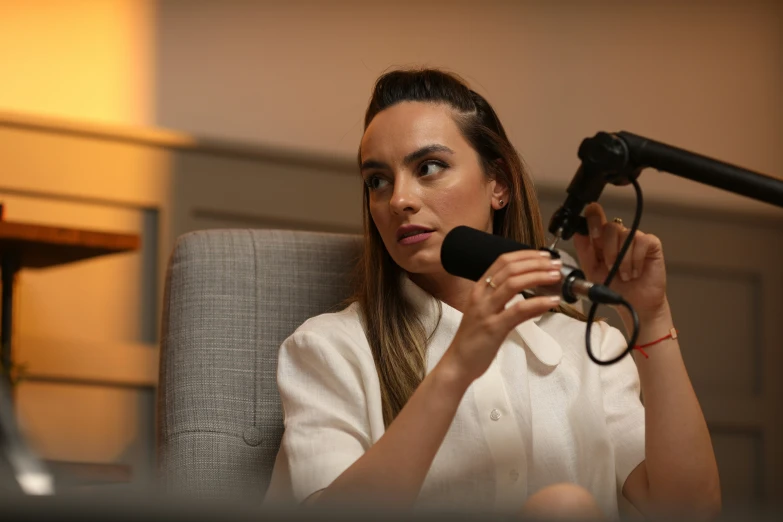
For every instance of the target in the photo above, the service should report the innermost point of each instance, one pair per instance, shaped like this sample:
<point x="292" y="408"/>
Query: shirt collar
<point x="539" y="342"/>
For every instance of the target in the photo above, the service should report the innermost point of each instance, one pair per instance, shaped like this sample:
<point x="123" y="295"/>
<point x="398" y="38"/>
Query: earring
<point x="501" y="202"/>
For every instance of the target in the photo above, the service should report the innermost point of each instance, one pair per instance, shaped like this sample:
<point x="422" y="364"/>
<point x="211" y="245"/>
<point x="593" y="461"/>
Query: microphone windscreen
<point x="467" y="252"/>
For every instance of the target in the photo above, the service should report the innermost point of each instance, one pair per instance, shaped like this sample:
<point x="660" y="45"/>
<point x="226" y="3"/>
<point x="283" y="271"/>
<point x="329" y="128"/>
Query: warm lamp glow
<point x="81" y="59"/>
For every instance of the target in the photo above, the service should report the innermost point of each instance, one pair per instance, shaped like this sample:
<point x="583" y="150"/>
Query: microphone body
<point x="467" y="252"/>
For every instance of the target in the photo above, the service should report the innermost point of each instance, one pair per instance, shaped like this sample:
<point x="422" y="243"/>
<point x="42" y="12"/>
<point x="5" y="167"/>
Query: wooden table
<point x="25" y="245"/>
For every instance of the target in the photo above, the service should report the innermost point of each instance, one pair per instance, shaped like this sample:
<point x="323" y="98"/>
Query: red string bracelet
<point x="671" y="335"/>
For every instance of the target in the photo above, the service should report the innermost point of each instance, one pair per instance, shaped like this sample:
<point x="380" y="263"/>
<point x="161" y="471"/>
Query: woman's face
<point x="424" y="179"/>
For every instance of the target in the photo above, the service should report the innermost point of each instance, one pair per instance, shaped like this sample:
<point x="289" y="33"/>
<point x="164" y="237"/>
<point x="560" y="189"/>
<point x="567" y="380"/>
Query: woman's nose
<point x="405" y="197"/>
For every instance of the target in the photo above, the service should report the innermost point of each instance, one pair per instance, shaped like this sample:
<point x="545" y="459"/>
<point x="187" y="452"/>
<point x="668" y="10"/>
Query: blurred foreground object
<point x="29" y="473"/>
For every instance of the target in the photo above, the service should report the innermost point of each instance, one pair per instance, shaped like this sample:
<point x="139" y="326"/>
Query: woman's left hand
<point x="641" y="279"/>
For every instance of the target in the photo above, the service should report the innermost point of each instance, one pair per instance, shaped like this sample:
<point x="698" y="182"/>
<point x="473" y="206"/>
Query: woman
<point x="435" y="391"/>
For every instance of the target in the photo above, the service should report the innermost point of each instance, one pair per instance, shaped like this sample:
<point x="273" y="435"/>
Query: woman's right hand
<point x="486" y="321"/>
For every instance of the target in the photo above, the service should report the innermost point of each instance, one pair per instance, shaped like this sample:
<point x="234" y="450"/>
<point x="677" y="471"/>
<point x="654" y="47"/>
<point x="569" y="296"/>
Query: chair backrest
<point x="231" y="298"/>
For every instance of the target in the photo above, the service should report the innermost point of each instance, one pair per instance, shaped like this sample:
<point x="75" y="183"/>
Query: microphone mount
<point x="619" y="159"/>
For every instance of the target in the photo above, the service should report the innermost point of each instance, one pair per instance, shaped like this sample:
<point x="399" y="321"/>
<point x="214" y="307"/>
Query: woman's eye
<point x="375" y="182"/>
<point x="431" y="167"/>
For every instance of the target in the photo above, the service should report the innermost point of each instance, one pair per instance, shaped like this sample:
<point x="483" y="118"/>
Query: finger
<point x="526" y="265"/>
<point x="638" y="255"/>
<point x="626" y="266"/>
<point x="588" y="259"/>
<point x="512" y="257"/>
<point x="517" y="283"/>
<point x="596" y="218"/>
<point x="491" y="274"/>
<point x="525" y="310"/>
<point x="610" y="238"/>
<point x="644" y="246"/>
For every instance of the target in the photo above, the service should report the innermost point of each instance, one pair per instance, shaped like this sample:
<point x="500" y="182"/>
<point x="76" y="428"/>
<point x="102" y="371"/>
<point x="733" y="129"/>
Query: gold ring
<point x="619" y="221"/>
<point x="490" y="283"/>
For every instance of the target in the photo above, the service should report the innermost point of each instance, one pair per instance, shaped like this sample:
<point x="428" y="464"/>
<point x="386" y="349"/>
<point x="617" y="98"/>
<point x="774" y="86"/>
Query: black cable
<point x="610" y="276"/>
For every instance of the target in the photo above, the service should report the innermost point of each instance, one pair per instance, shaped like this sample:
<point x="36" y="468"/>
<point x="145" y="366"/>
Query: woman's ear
<point x="500" y="190"/>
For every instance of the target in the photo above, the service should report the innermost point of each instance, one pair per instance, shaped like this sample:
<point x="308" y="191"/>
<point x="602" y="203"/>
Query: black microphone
<point x="467" y="252"/>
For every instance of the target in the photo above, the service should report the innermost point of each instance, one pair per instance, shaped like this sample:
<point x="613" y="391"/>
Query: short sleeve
<point x="327" y="426"/>
<point x="622" y="404"/>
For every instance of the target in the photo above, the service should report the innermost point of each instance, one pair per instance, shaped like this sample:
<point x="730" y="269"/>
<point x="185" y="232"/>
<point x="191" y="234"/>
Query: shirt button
<point x="513" y="475"/>
<point x="494" y="415"/>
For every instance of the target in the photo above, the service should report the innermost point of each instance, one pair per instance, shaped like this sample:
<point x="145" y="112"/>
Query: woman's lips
<point x="418" y="237"/>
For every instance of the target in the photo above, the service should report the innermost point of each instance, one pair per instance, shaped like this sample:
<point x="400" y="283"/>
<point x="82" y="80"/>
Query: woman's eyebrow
<point x="413" y="156"/>
<point x="410" y="158"/>
<point x="372" y="164"/>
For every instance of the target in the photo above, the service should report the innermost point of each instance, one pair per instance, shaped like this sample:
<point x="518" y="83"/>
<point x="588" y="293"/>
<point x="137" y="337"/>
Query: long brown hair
<point x="396" y="335"/>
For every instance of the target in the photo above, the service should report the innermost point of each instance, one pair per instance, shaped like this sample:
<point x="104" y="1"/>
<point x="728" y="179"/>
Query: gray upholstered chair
<point x="231" y="298"/>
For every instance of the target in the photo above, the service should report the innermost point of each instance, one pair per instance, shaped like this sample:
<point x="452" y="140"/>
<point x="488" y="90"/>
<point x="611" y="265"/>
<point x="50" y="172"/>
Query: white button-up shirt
<point x="542" y="413"/>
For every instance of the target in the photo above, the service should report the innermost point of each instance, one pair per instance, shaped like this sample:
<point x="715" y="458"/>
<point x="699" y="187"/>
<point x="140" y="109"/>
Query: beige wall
<point x="706" y="76"/>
